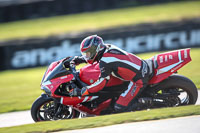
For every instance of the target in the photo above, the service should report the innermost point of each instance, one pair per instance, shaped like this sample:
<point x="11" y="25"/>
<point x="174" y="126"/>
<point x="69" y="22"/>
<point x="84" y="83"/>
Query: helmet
<point x="91" y="47"/>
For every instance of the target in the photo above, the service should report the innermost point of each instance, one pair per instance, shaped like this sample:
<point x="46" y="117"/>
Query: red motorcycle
<point x="165" y="89"/>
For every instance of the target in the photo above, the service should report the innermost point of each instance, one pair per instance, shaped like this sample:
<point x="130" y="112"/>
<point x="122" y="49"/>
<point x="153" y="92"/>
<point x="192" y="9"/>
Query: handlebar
<point x="72" y="67"/>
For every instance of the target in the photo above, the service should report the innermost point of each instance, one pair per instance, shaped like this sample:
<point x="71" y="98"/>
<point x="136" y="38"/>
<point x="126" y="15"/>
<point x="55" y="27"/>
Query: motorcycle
<point x="165" y="89"/>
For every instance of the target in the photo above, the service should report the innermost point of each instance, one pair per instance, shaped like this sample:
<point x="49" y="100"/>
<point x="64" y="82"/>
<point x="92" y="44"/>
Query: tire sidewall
<point x="36" y="106"/>
<point x="182" y="82"/>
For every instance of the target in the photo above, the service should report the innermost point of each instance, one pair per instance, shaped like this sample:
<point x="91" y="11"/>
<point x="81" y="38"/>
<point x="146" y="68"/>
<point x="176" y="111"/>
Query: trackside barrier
<point x="33" y="52"/>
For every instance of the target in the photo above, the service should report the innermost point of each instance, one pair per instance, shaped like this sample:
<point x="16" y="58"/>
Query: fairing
<point x="74" y="101"/>
<point x="55" y="70"/>
<point x="166" y="64"/>
<point x="55" y="75"/>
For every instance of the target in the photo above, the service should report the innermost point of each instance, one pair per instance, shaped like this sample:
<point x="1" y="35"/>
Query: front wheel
<point x="44" y="109"/>
<point x="177" y="90"/>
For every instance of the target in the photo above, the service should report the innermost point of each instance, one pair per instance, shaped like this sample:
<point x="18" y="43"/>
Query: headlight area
<point x="46" y="90"/>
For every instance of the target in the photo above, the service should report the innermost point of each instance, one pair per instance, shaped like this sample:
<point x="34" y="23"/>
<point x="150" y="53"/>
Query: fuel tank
<point x="91" y="72"/>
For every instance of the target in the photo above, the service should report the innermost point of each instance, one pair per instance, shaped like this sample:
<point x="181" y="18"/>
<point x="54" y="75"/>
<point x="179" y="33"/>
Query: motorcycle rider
<point x="113" y="61"/>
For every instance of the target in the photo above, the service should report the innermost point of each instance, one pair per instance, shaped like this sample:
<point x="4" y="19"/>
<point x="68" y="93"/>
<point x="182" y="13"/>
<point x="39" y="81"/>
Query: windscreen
<point x="58" y="71"/>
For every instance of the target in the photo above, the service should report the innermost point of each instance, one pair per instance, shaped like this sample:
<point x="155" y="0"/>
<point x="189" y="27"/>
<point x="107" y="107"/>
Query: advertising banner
<point x="134" y="39"/>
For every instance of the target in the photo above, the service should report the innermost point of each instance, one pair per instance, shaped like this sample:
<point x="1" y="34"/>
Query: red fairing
<point x="58" y="81"/>
<point x="75" y="100"/>
<point x="168" y="63"/>
<point x="95" y="111"/>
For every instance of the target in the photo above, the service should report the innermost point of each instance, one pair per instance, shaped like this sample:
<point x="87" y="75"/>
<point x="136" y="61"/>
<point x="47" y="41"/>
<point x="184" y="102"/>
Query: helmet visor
<point x="90" y="53"/>
<point x="86" y="55"/>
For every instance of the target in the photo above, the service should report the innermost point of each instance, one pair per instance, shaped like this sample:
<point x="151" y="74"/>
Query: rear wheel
<point x="177" y="90"/>
<point x="44" y="109"/>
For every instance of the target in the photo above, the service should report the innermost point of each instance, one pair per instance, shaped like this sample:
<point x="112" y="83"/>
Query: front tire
<point x="43" y="109"/>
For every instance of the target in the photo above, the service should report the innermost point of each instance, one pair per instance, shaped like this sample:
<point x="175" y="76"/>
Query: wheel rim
<point x="174" y="96"/>
<point x="46" y="112"/>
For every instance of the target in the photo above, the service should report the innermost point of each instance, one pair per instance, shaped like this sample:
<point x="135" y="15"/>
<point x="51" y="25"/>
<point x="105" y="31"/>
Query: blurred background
<point x="12" y="10"/>
<point x="33" y="33"/>
<point x="36" y="32"/>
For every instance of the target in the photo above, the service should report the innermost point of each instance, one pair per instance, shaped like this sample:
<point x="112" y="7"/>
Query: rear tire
<point x="183" y="83"/>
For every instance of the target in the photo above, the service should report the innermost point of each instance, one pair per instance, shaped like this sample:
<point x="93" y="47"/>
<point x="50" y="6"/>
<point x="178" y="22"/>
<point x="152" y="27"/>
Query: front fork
<point x="57" y="106"/>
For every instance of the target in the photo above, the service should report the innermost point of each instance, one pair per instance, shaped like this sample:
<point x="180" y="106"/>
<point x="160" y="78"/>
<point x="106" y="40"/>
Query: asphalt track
<point x="189" y="124"/>
<point x="24" y="117"/>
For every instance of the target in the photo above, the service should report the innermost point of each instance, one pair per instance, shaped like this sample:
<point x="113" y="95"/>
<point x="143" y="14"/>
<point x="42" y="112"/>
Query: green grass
<point x="52" y="126"/>
<point x="97" y="20"/>
<point x="19" y="88"/>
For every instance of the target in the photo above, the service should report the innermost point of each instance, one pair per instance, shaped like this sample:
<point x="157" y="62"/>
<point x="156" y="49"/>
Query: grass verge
<point x="19" y="88"/>
<point x="174" y="11"/>
<point x="155" y="114"/>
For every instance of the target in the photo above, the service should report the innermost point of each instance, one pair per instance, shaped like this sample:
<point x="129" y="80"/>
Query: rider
<point x="113" y="61"/>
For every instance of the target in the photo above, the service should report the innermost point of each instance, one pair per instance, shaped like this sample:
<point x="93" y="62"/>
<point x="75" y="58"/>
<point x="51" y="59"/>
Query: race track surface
<point x="176" y="125"/>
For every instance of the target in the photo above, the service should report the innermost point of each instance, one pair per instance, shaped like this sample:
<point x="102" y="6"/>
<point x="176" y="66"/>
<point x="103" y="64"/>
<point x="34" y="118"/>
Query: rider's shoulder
<point x="113" y="49"/>
<point x="110" y="46"/>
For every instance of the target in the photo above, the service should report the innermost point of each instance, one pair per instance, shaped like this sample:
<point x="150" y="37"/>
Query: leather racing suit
<point x="123" y="65"/>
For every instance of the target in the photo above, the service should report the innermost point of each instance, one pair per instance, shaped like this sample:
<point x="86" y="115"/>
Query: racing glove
<point x="75" y="61"/>
<point x="75" y="92"/>
<point x="78" y="60"/>
<point x="79" y="92"/>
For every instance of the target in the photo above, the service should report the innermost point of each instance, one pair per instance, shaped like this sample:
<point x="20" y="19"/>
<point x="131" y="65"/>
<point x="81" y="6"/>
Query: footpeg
<point x="145" y="100"/>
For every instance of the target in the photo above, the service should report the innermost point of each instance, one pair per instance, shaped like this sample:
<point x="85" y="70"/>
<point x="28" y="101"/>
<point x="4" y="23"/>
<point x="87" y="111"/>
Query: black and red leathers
<point x="125" y="66"/>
